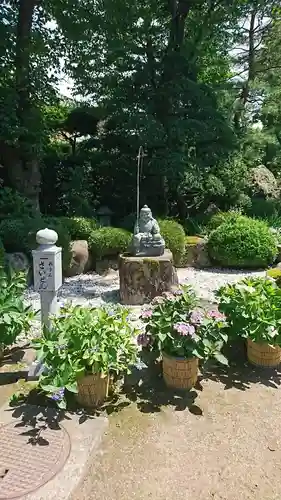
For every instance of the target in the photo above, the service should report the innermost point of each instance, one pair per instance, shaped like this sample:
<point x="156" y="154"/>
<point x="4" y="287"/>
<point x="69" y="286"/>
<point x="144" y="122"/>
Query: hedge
<point x="174" y="236"/>
<point x="243" y="243"/>
<point x="221" y="217"/>
<point x="79" y="228"/>
<point x="109" y="241"/>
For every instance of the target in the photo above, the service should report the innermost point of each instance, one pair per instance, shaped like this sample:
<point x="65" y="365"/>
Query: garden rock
<point x="202" y="255"/>
<point x="143" y="278"/>
<point x="80" y="261"/>
<point x="18" y="261"/>
<point x="196" y="253"/>
<point x="262" y="183"/>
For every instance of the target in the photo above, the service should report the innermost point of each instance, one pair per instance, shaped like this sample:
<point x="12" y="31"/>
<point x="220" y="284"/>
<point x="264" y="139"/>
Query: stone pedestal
<point x="143" y="278"/>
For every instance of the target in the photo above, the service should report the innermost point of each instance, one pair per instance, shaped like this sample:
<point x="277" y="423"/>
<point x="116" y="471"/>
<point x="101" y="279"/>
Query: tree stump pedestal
<point x="143" y="278"/>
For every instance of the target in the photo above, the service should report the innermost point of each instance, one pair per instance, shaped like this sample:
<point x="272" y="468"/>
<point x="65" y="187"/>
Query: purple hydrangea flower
<point x="58" y="395"/>
<point x="216" y="315"/>
<point x="196" y="318"/>
<point x="143" y="339"/>
<point x="146" y="314"/>
<point x="185" y="329"/>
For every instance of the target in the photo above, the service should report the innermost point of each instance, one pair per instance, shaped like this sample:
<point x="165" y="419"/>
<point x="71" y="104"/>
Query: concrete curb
<point x="85" y="434"/>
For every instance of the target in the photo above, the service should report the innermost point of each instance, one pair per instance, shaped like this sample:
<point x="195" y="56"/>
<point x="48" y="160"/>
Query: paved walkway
<point x="220" y="443"/>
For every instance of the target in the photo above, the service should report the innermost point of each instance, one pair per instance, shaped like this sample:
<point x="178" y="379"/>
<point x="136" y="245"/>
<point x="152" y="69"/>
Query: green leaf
<point x="197" y="354"/>
<point x="221" y="358"/>
<point x="72" y="387"/>
<point x="162" y="337"/>
<point x="224" y="337"/>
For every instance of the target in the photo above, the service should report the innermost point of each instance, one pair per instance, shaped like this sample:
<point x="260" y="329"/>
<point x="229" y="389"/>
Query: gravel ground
<point x="205" y="282"/>
<point x="93" y="289"/>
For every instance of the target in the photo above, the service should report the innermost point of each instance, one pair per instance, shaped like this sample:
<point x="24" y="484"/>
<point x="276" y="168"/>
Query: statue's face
<point x="146" y="216"/>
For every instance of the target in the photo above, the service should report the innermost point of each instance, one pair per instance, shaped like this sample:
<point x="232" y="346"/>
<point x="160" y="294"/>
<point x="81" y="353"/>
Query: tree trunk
<point x="245" y="92"/>
<point x="20" y="160"/>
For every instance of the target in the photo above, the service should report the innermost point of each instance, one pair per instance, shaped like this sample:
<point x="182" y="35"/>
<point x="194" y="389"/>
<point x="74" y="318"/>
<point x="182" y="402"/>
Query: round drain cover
<point x="30" y="457"/>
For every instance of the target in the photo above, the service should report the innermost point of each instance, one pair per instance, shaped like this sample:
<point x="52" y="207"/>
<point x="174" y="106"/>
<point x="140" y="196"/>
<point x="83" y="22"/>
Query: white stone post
<point x="47" y="270"/>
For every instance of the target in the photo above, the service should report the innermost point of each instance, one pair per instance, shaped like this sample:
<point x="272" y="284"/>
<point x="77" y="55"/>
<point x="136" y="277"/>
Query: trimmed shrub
<point x="221" y="217"/>
<point x="174" y="236"/>
<point x="243" y="243"/>
<point x="109" y="241"/>
<point x="79" y="228"/>
<point x="19" y="235"/>
<point x="14" y="234"/>
<point x="274" y="273"/>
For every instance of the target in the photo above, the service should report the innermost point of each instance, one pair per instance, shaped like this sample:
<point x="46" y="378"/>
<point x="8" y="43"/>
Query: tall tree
<point x="28" y="57"/>
<point x="147" y="63"/>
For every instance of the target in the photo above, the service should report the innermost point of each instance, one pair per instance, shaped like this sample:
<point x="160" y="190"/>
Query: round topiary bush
<point x="221" y="217"/>
<point x="174" y="236"/>
<point x="14" y="234"/>
<point x="243" y="243"/>
<point x="109" y="241"/>
<point x="79" y="228"/>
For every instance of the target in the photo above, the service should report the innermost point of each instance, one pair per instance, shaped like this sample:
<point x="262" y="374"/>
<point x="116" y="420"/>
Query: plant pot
<point x="262" y="354"/>
<point x="180" y="373"/>
<point x="92" y="390"/>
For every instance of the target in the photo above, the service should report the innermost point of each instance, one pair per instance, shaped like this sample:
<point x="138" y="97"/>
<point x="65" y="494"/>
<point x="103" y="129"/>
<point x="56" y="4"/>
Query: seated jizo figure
<point x="147" y="240"/>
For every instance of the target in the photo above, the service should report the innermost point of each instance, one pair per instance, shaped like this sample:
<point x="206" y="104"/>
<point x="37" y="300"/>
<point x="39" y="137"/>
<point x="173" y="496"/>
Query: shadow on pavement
<point x="240" y="374"/>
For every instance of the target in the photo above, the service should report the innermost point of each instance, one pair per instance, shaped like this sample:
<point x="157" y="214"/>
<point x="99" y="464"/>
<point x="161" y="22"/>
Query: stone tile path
<point x="221" y="443"/>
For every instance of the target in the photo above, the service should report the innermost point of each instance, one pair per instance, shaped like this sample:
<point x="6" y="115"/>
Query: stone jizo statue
<point x="147" y="240"/>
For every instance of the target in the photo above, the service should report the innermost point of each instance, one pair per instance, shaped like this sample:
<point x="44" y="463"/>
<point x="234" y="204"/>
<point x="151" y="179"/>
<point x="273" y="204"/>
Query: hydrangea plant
<point x="253" y="309"/>
<point x="175" y="326"/>
<point x="15" y="316"/>
<point x="84" y="341"/>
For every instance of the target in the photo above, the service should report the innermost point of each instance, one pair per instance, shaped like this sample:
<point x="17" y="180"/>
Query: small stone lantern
<point x="104" y="215"/>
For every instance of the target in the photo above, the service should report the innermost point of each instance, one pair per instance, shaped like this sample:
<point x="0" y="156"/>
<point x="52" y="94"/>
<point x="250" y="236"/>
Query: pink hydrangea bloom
<point x="147" y="313"/>
<point x="216" y="315"/>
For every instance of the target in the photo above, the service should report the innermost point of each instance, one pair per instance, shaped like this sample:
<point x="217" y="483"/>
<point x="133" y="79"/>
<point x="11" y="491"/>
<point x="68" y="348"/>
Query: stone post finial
<point x="46" y="237"/>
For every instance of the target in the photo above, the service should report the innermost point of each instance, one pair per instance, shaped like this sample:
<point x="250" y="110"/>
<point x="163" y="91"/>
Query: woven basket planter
<point x="180" y="373"/>
<point x="92" y="390"/>
<point x="262" y="354"/>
